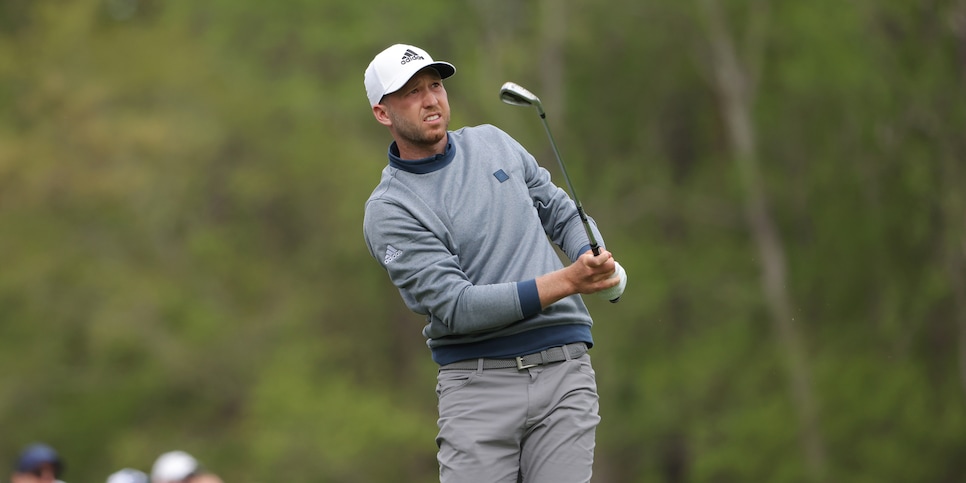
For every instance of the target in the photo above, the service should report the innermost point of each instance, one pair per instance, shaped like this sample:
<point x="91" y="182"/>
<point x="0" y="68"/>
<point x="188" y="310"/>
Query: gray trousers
<point x="535" y="425"/>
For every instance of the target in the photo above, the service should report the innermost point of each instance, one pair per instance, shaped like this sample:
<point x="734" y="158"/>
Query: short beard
<point x="412" y="134"/>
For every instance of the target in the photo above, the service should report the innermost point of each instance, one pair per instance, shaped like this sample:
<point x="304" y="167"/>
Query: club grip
<point x="596" y="249"/>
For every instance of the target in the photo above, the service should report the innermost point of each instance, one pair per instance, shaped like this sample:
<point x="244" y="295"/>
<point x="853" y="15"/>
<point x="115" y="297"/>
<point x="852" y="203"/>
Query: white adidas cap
<point x="173" y="466"/>
<point x="392" y="68"/>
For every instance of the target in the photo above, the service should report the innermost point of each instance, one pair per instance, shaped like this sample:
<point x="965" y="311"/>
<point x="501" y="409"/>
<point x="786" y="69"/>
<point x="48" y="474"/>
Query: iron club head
<point x="516" y="95"/>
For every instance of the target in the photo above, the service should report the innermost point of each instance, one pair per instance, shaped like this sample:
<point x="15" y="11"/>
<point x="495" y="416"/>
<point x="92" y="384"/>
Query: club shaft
<point x="570" y="186"/>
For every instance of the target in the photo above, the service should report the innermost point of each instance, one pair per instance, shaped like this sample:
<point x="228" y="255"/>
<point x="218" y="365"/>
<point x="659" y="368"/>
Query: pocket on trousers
<point x="449" y="381"/>
<point x="585" y="366"/>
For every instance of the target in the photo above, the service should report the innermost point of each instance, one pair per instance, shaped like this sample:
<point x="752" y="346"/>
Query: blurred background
<point x="182" y="263"/>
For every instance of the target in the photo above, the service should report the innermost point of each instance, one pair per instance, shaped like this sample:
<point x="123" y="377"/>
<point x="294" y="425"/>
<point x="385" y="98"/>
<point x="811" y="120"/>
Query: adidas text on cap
<point x="392" y="68"/>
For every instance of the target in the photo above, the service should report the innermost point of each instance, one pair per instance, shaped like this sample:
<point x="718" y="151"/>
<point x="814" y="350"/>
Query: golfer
<point x="462" y="221"/>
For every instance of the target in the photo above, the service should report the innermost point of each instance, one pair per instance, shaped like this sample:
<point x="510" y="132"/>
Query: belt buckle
<point x="521" y="366"/>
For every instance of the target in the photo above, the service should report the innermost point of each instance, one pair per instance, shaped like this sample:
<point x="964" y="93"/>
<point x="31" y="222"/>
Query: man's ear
<point x="382" y="115"/>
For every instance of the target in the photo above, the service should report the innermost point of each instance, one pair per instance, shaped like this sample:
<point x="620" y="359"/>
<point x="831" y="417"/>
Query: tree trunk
<point x="955" y="208"/>
<point x="735" y="86"/>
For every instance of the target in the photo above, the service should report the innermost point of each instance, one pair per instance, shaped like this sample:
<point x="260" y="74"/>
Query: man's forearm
<point x="588" y="274"/>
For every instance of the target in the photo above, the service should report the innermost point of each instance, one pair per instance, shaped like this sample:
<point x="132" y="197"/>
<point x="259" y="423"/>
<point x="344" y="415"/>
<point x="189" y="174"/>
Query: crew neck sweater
<point x="463" y="236"/>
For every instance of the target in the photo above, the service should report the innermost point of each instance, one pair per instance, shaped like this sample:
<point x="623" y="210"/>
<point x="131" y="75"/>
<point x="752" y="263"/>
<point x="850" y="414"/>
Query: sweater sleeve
<point x="430" y="280"/>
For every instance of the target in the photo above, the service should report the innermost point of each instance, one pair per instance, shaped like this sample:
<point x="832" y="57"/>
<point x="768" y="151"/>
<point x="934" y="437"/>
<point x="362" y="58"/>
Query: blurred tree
<point x="736" y="87"/>
<point x="181" y="262"/>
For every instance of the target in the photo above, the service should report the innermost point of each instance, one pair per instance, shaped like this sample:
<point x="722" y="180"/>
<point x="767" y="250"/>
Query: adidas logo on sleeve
<point x="392" y="253"/>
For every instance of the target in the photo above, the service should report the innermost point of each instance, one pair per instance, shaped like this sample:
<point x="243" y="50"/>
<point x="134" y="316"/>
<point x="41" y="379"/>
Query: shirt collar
<point x="421" y="166"/>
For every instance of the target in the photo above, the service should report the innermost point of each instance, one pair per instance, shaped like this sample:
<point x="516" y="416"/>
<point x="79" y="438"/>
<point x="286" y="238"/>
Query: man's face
<point x="418" y="114"/>
<point x="43" y="474"/>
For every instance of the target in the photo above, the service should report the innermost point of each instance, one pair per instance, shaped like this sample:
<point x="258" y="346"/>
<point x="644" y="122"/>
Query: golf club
<point x="514" y="94"/>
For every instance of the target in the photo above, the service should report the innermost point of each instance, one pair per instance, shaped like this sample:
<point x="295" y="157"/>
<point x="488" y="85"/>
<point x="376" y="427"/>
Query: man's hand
<point x="589" y="274"/>
<point x="614" y="293"/>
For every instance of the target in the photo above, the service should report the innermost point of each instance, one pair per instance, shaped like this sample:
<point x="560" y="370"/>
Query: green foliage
<point x="182" y="265"/>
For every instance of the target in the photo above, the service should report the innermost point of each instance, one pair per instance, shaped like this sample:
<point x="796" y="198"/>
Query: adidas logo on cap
<point x="410" y="56"/>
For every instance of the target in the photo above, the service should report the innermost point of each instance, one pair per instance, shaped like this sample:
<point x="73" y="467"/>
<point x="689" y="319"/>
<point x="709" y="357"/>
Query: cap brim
<point x="445" y="69"/>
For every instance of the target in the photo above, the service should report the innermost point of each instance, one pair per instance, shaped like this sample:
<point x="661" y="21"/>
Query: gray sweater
<point x="463" y="236"/>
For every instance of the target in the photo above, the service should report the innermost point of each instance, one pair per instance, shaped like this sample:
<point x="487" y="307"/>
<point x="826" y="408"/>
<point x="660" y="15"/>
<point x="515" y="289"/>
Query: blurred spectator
<point x="205" y="478"/>
<point x="180" y="467"/>
<point x="37" y="463"/>
<point x="128" y="475"/>
<point x="174" y="467"/>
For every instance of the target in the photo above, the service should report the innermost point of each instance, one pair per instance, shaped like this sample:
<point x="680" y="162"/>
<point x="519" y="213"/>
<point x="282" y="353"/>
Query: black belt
<point x="553" y="354"/>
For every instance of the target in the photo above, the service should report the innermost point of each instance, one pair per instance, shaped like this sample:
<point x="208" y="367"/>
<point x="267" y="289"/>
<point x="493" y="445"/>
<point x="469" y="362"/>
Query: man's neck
<point x="412" y="152"/>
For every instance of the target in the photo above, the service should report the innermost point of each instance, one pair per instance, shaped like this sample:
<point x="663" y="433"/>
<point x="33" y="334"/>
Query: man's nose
<point x="430" y="99"/>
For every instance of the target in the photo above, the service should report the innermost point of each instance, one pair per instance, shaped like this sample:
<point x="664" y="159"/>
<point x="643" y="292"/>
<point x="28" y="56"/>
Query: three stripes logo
<point x="392" y="253"/>
<point x="409" y="56"/>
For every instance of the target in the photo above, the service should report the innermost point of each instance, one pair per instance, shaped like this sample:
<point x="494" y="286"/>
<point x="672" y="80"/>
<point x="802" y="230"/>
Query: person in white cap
<point x="180" y="467"/>
<point x="173" y="467"/>
<point x="128" y="475"/>
<point x="462" y="221"/>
